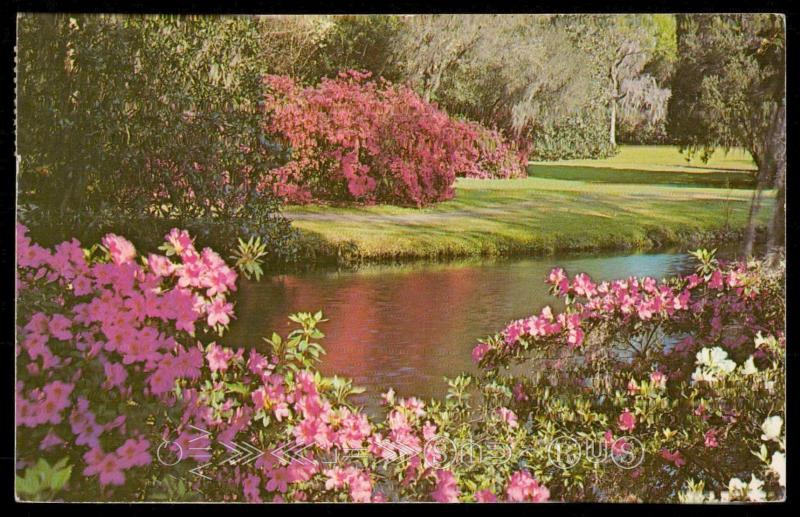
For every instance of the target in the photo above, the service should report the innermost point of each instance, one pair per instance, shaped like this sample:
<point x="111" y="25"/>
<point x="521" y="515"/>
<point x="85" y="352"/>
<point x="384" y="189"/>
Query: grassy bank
<point x="532" y="215"/>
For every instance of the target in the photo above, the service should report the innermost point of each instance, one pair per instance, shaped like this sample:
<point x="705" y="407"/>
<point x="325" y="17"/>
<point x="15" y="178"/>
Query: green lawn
<point x="642" y="197"/>
<point x="655" y="165"/>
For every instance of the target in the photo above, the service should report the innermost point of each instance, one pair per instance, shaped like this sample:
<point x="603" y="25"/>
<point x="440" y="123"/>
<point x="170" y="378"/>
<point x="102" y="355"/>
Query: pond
<point x="409" y="326"/>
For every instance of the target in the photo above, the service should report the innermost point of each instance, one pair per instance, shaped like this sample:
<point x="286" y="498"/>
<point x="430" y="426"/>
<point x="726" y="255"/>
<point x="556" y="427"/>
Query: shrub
<point x="352" y="139"/>
<point x="498" y="158"/>
<point x="117" y="367"/>
<point x="688" y="371"/>
<point x="129" y="121"/>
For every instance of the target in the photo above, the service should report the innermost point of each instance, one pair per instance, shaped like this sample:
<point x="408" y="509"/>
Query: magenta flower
<point x="674" y="457"/>
<point x="485" y="496"/>
<point x="218" y="357"/>
<point x="627" y="421"/>
<point x="134" y="453"/>
<point x="50" y="440"/>
<point x="250" y="488"/>
<point x="523" y="487"/>
<point x="219" y="312"/>
<point x="446" y="487"/>
<point x="278" y="480"/>
<point x="120" y="249"/>
<point x="479" y="351"/>
<point x="710" y="438"/>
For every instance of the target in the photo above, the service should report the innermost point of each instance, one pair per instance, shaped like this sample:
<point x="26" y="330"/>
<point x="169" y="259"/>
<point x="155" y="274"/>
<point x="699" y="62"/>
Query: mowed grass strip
<point x="655" y="165"/>
<point x="531" y="215"/>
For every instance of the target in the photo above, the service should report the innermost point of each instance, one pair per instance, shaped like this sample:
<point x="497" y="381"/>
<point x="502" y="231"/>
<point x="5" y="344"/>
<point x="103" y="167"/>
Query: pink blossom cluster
<point x="112" y="326"/>
<point x="498" y="158"/>
<point x="110" y="467"/>
<point x="354" y="139"/>
<point x="524" y="487"/>
<point x="112" y="334"/>
<point x="629" y="300"/>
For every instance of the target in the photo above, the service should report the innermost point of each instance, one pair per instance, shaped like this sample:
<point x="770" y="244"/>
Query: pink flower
<point x="446" y="487"/>
<point x="658" y="379"/>
<point x="180" y="240"/>
<point x="337" y="477"/>
<point x="674" y="457"/>
<point x="120" y="249"/>
<point x="278" y="480"/>
<point x="522" y="486"/>
<point x="218" y="357"/>
<point x="219" y="312"/>
<point x="632" y="388"/>
<point x="583" y="285"/>
<point x="250" y="488"/>
<point x="519" y="392"/>
<point x="134" y="453"/>
<point x="711" y="438"/>
<point x="50" y="440"/>
<point x="160" y="265"/>
<point x="715" y="282"/>
<point x="115" y="374"/>
<point x="508" y="416"/>
<point x="110" y="471"/>
<point x="60" y="327"/>
<point x="479" y="351"/>
<point x="428" y="431"/>
<point x="627" y="421"/>
<point x="485" y="496"/>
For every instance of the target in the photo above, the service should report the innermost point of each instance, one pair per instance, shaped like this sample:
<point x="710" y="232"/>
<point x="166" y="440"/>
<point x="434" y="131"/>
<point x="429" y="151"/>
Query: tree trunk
<point x="771" y="172"/>
<point x="755" y="204"/>
<point x="612" y="135"/>
<point x="777" y="149"/>
<point x="613" y="132"/>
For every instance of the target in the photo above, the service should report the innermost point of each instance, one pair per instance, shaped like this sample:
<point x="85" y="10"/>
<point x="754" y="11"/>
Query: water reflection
<point x="410" y="326"/>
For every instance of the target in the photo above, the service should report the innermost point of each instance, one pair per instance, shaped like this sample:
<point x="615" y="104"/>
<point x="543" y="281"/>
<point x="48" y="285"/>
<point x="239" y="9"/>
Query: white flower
<point x="749" y="367"/>
<point x="769" y="386"/>
<point x="754" y="491"/>
<point x="703" y="375"/>
<point x="694" y="494"/>
<point x="778" y="466"/>
<point x="772" y="428"/>
<point x="736" y="486"/>
<point x="761" y="341"/>
<point x="716" y="359"/>
<point x="692" y="497"/>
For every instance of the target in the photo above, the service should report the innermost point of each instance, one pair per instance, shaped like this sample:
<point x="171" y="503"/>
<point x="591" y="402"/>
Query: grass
<point x="655" y="165"/>
<point x="536" y="215"/>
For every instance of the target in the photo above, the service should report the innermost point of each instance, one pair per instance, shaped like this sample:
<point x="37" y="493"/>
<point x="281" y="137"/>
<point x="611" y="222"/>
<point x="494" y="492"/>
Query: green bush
<point x="129" y="120"/>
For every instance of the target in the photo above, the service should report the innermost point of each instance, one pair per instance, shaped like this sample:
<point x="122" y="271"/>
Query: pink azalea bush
<point x="116" y="379"/>
<point x="354" y="139"/>
<point x="121" y="383"/>
<point x="674" y="377"/>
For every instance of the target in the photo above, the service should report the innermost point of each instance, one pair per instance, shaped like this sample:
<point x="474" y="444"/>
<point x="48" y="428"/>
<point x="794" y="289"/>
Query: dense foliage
<point x="678" y="386"/>
<point x="128" y="122"/>
<point x="729" y="89"/>
<point x="354" y="139"/>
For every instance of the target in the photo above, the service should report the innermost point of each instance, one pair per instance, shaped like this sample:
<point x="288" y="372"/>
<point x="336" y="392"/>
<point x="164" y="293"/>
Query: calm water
<point x="409" y="326"/>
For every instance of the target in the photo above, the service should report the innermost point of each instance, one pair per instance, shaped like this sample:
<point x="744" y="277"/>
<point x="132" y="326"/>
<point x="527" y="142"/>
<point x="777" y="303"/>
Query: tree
<point x="518" y="73"/>
<point x="122" y="118"/>
<point x="729" y="89"/>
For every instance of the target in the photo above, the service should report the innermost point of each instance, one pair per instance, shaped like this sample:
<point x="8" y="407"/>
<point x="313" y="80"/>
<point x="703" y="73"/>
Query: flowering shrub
<point x="98" y="321"/>
<point x="353" y="139"/>
<point x="123" y="390"/>
<point x="687" y="375"/>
